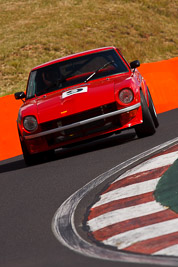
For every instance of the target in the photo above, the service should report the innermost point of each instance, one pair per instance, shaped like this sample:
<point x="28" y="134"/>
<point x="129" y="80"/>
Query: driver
<point x="47" y="79"/>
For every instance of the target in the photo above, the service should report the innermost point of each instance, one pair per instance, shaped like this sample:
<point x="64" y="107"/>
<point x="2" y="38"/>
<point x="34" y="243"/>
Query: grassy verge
<point x="35" y="31"/>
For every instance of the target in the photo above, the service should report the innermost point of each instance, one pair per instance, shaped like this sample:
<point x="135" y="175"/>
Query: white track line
<point x="126" y="239"/>
<point x="160" y="161"/>
<point x="170" y="251"/>
<point x="129" y="213"/>
<point x="127" y="191"/>
<point x="64" y="229"/>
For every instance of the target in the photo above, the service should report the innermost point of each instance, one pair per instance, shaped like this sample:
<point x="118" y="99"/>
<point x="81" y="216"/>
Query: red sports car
<point x="83" y="96"/>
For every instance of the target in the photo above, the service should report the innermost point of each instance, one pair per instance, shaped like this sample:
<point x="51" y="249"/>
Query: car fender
<point x="27" y="109"/>
<point x="144" y="90"/>
<point x="129" y="82"/>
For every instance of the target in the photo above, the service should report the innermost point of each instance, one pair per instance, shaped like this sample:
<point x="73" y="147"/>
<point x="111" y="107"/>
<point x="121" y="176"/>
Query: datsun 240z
<point x="80" y="97"/>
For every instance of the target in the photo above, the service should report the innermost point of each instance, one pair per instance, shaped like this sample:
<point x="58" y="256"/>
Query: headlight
<point x="30" y="123"/>
<point x="126" y="95"/>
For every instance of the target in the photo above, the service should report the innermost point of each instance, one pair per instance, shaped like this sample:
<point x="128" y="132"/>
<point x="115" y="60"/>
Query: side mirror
<point x="19" y="95"/>
<point x="135" y="64"/>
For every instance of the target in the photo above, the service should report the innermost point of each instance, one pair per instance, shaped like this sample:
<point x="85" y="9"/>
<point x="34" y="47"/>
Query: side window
<point x="31" y="85"/>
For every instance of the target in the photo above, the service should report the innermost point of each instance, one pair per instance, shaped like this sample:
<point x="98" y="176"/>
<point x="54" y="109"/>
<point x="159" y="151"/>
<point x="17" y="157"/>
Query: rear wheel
<point x="152" y="110"/>
<point x="147" y="127"/>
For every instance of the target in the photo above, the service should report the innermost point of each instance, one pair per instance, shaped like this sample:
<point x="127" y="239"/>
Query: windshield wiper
<point x="96" y="71"/>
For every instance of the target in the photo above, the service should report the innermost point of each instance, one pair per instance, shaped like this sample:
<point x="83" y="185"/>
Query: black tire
<point x="30" y="159"/>
<point x="48" y="155"/>
<point x="152" y="110"/>
<point x="147" y="127"/>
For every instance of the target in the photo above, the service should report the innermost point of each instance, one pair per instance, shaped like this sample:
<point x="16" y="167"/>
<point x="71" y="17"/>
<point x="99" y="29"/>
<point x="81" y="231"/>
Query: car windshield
<point x="74" y="71"/>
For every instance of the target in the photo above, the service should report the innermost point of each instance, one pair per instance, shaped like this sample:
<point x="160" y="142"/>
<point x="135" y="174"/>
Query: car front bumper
<point x="84" y="129"/>
<point x="83" y="122"/>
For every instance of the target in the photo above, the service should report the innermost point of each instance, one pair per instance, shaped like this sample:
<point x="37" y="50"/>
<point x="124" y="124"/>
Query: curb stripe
<point x="128" y="217"/>
<point x="170" y="251"/>
<point x="154" y="245"/>
<point x="171" y="149"/>
<point x="66" y="232"/>
<point x="128" y="191"/>
<point x="124" y="226"/>
<point x="160" y="161"/>
<point x="124" y="214"/>
<point x="120" y="204"/>
<point x="124" y="240"/>
<point x="138" y="177"/>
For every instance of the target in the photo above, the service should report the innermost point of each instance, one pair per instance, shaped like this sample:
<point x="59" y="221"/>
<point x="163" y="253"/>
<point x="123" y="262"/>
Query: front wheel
<point x="152" y="110"/>
<point x="29" y="159"/>
<point x="147" y="127"/>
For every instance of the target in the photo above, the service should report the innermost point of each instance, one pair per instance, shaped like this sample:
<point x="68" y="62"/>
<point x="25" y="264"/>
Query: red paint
<point x="100" y="91"/>
<point x="132" y="224"/>
<point x="50" y="107"/>
<point x="153" y="245"/>
<point x="160" y="77"/>
<point x="137" y="178"/>
<point x="120" y="204"/>
<point x="169" y="150"/>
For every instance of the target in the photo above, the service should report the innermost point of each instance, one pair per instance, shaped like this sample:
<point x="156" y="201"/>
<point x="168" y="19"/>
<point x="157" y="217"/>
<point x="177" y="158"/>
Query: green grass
<point x="36" y="31"/>
<point x="166" y="191"/>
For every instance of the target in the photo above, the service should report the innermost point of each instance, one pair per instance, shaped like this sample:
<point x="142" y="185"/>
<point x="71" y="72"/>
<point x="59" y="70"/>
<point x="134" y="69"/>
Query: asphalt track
<point x="30" y="196"/>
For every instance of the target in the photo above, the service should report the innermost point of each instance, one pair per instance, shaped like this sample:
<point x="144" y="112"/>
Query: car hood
<point x="76" y="99"/>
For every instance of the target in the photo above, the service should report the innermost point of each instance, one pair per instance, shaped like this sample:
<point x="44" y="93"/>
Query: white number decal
<point x="75" y="91"/>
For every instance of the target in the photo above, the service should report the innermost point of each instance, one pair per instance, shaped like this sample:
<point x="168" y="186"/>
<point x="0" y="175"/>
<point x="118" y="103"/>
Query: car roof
<point x="73" y="56"/>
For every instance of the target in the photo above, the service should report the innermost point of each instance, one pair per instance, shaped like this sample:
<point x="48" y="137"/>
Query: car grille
<point x="84" y="130"/>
